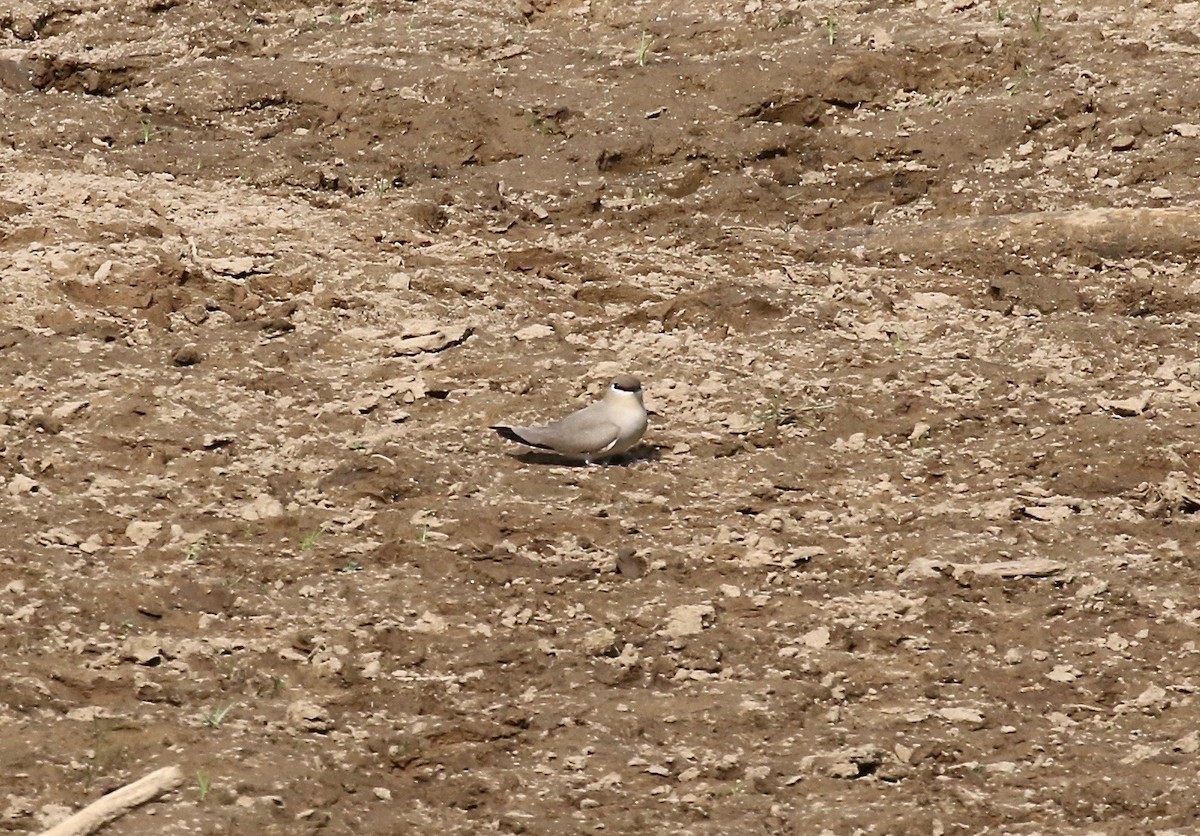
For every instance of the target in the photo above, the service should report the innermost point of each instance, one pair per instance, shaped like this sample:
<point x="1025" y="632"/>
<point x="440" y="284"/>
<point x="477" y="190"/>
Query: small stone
<point x="1048" y="513"/>
<point x="961" y="715"/>
<point x="879" y="40"/>
<point x="188" y="355"/>
<point x="855" y="762"/>
<point x="1159" y="193"/>
<point x="533" y="332"/>
<point x="195" y="314"/>
<point x="430" y="338"/>
<point x="1091" y="589"/>
<point x="1126" y="407"/>
<point x="816" y="638"/>
<point x="1063" y="673"/>
<point x="144" y="650"/>
<point x="233" y="266"/>
<point x="21" y="484"/>
<point x="68" y="409"/>
<point x="46" y="423"/>
<point x="1117" y="642"/>
<point x="600" y="642"/>
<point x="1189" y="744"/>
<point x="61" y="536"/>
<point x="1031" y="567"/>
<point x="49" y="814"/>
<point x="630" y="564"/>
<point x="740" y="424"/>
<point x="688" y="620"/>
<point x="1152" y="696"/>
<point x="999" y="509"/>
<point x="429" y="216"/>
<point x="1122" y="142"/>
<point x="263" y="508"/>
<point x="306" y="716"/>
<point x="430" y="622"/>
<point x="142" y="533"/>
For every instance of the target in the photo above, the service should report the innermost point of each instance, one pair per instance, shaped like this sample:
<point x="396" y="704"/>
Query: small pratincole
<point x="607" y="428"/>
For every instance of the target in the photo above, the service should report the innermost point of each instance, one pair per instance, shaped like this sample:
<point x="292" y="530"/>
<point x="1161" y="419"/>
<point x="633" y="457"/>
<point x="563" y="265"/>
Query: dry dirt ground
<point x="911" y="546"/>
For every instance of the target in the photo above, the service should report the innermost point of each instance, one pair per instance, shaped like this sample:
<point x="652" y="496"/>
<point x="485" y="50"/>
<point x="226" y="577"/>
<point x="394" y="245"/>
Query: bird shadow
<point x="641" y="453"/>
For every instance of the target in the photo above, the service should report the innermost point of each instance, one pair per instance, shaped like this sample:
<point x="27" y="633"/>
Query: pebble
<point x="306" y="716"/>
<point x="1122" y="142"/>
<point x="688" y="620"/>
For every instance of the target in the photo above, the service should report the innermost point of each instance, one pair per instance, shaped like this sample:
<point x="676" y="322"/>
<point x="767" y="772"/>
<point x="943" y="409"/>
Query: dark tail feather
<point x="512" y="435"/>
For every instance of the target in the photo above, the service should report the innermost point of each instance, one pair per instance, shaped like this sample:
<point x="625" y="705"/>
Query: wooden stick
<point x="118" y="802"/>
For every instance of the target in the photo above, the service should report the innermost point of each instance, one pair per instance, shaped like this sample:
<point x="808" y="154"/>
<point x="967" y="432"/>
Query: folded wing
<point x="585" y="433"/>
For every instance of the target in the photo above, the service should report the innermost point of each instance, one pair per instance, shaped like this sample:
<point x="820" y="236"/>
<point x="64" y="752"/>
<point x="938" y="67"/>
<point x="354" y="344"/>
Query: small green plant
<point x="1002" y="14"/>
<point x="830" y="24"/>
<point x="351" y="566"/>
<point x="269" y="685"/>
<point x="643" y="53"/>
<point x="194" y="550"/>
<point x="1036" y="20"/>
<point x="101" y="755"/>
<point x="91" y="769"/>
<point x="203" y="784"/>
<point x="149" y="132"/>
<point x="310" y="540"/>
<point x="94" y="759"/>
<point x="768" y="415"/>
<point x="217" y="716"/>
<point x="424" y="535"/>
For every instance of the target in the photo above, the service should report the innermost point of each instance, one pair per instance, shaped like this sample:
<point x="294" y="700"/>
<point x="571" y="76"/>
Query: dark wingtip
<point x="506" y="432"/>
<point x="509" y="433"/>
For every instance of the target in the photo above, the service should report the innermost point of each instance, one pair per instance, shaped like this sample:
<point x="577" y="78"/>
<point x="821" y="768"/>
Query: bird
<point x="607" y="428"/>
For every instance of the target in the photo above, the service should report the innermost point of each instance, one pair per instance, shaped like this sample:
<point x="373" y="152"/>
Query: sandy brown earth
<point x="910" y="547"/>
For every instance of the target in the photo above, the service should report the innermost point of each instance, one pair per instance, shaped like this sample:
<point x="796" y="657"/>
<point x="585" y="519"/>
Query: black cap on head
<point x="627" y="383"/>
